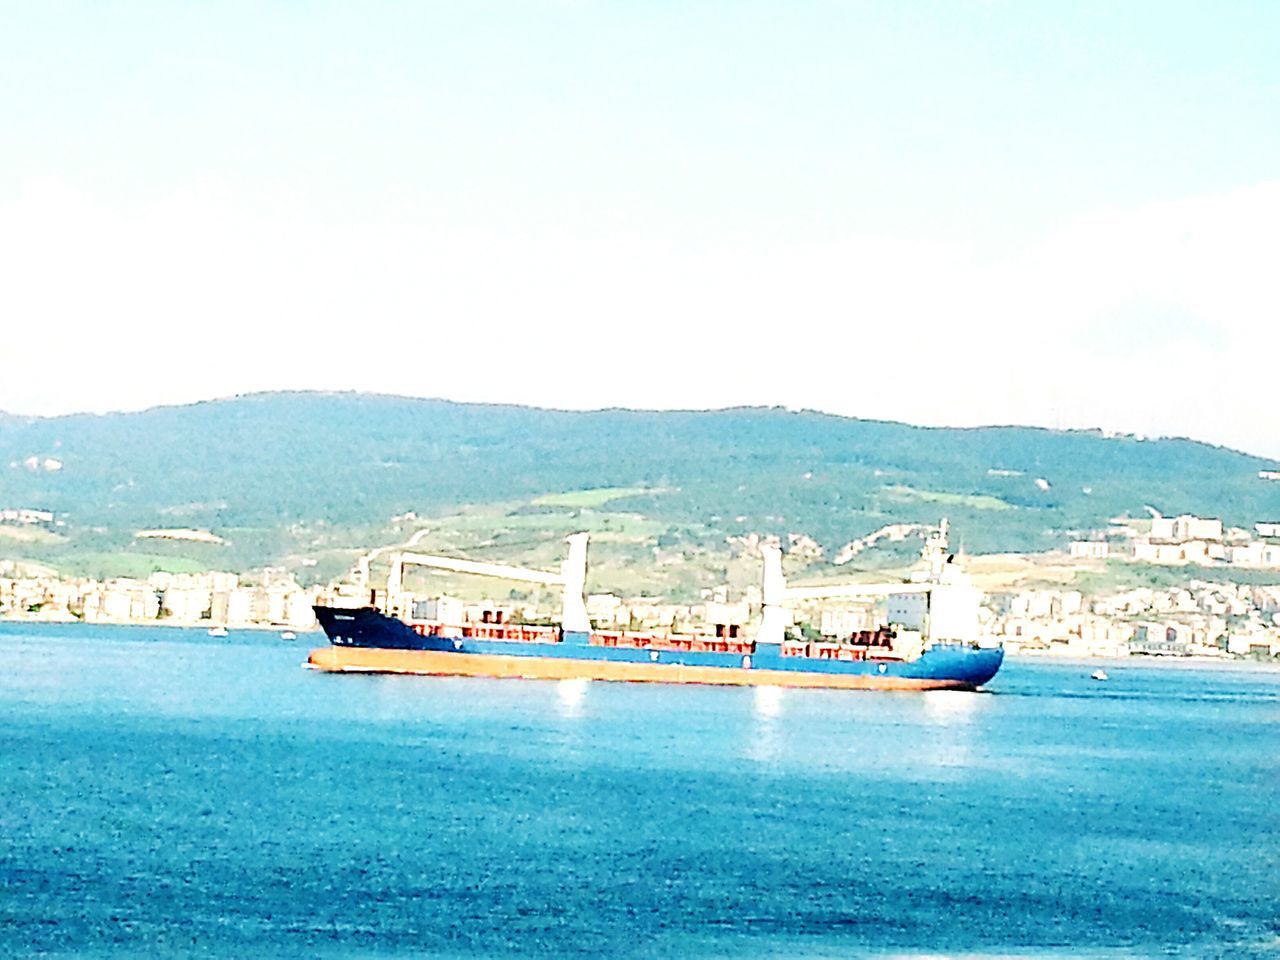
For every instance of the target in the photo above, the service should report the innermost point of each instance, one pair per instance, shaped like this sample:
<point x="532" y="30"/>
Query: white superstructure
<point x="939" y="600"/>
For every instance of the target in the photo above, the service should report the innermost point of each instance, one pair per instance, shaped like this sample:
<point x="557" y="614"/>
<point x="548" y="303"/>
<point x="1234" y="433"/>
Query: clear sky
<point x="1065" y="214"/>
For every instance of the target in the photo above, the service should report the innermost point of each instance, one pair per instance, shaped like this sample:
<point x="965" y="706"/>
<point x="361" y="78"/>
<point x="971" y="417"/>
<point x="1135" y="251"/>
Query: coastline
<point x="1164" y="662"/>
<point x="1171" y="662"/>
<point x="202" y="625"/>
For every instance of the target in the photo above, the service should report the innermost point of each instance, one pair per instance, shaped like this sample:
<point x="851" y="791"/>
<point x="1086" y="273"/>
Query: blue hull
<point x="958" y="665"/>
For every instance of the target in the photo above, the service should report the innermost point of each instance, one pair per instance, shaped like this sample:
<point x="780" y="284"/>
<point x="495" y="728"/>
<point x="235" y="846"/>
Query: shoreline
<point x="203" y="625"/>
<point x="1170" y="662"/>
<point x="1159" y="662"/>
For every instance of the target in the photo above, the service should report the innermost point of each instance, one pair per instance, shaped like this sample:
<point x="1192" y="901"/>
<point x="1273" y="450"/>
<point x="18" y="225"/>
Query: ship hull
<point x="367" y="641"/>
<point x="440" y="664"/>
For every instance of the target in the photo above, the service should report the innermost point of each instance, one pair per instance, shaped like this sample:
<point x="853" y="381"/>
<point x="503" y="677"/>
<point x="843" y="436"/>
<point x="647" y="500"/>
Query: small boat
<point x="218" y="631"/>
<point x="1099" y="675"/>
<point x="288" y="635"/>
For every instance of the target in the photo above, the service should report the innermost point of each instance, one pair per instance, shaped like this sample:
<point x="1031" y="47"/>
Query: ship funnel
<point x="573" y="571"/>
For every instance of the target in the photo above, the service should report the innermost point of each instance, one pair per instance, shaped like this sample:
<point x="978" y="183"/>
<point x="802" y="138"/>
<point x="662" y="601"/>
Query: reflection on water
<point x="951" y="707"/>
<point x="953" y="715"/>
<point x="766" y="740"/>
<point x="570" y="695"/>
<point x="768" y="702"/>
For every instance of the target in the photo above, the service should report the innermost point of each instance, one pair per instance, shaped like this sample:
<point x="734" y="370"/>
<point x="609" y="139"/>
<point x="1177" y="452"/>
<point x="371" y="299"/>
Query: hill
<point x="284" y="477"/>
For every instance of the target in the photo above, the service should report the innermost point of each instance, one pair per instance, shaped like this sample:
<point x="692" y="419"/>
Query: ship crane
<point x="938" y="577"/>
<point x="572" y="577"/>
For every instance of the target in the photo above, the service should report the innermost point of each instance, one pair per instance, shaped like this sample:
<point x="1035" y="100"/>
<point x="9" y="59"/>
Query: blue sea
<point x="164" y="793"/>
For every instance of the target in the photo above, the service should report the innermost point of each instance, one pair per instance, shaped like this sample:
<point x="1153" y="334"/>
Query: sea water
<point x="163" y="792"/>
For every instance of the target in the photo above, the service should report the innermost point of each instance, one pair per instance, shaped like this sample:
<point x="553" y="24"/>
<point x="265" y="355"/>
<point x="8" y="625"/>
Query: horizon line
<point x="253" y="394"/>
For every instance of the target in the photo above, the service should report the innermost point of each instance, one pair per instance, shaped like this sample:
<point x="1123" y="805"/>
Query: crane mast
<point x="571" y="579"/>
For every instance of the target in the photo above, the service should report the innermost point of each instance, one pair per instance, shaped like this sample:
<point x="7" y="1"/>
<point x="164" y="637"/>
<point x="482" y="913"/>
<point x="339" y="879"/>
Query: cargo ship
<point x="930" y="643"/>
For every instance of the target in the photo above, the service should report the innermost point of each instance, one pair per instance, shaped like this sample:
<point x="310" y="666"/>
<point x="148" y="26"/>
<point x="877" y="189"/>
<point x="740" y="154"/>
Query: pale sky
<point x="1061" y="214"/>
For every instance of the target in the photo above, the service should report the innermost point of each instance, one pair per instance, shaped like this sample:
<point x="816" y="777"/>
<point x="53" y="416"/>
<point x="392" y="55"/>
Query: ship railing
<point x="513" y="632"/>
<point x="831" y="650"/>
<point x="691" y="643"/>
<point x="510" y="632"/>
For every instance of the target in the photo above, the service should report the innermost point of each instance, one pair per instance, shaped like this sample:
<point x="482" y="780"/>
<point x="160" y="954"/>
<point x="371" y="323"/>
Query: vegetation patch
<point x="590" y="499"/>
<point x="29" y="535"/>
<point x="1127" y="575"/>
<point x="179" y="533"/>
<point x="972" y="501"/>
<point x="134" y="565"/>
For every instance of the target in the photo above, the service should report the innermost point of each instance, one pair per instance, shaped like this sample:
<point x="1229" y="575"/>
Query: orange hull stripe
<point x="433" y="663"/>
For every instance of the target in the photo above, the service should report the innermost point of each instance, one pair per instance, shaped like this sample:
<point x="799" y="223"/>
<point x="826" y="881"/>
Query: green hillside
<point x="308" y="476"/>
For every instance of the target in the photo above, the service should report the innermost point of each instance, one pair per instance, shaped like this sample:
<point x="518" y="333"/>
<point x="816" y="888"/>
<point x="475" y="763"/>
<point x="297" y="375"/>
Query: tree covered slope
<point x="267" y="463"/>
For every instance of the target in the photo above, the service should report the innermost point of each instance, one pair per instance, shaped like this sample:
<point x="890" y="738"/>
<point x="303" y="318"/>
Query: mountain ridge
<point x="10" y="416"/>
<point x="280" y="473"/>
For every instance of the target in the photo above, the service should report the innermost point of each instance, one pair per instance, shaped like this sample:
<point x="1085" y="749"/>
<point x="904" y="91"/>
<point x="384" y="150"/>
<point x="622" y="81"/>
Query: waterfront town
<point x="1211" y="612"/>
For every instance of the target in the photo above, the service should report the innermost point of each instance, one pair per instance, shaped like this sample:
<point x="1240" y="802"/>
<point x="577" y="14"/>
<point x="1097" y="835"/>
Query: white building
<point x="1184" y="528"/>
<point x="1173" y="554"/>
<point x="187" y="604"/>
<point x="1264" y="643"/>
<point x="1090" y="549"/>
<point x="232" y="606"/>
<point x="1258" y="555"/>
<point x="298" y="610"/>
<point x="729" y="614"/>
<point x="603" y="607"/>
